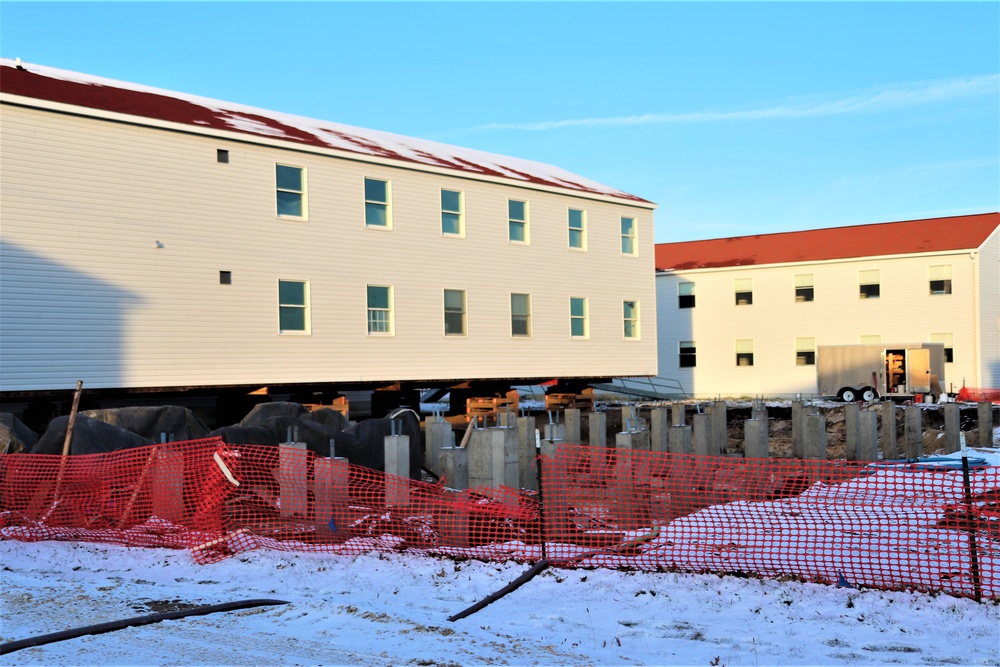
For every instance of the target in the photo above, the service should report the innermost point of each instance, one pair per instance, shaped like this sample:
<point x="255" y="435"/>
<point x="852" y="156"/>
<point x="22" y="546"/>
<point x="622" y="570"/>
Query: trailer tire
<point x="847" y="395"/>
<point x="869" y="395"/>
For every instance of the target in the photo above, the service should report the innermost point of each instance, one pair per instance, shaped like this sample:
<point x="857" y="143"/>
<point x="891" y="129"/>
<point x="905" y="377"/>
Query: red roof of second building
<point x="889" y="238"/>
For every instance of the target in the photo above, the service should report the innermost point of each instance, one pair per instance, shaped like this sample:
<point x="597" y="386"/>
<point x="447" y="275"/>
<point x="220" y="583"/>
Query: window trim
<point x="387" y="203"/>
<point x="747" y="294"/>
<point x="390" y="320"/>
<point x="525" y="223"/>
<point x="303" y="193"/>
<point x="464" y="312"/>
<point x="807" y="354"/>
<point x="585" y="318"/>
<point x="637" y="332"/>
<point x="632" y="236"/>
<point x="460" y="234"/>
<point x="582" y="230"/>
<point x="306" y="308"/>
<point x="747" y="355"/>
<point x="804" y="286"/>
<point x="527" y="316"/>
<point x="944" y="271"/>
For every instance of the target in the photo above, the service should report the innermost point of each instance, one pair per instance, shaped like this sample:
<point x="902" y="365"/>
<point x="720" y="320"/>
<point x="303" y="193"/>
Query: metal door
<point x="918" y="371"/>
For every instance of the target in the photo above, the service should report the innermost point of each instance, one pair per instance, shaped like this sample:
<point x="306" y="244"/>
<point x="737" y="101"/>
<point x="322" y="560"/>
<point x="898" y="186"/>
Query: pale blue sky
<point x="734" y="118"/>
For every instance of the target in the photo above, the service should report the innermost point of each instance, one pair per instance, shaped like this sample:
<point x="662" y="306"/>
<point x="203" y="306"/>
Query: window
<point x="222" y="156"/>
<point x="805" y="351"/>
<point x="577" y="229"/>
<point x="874" y="339"/>
<point x="517" y="217"/>
<point x="629" y="246"/>
<point x="452" y="217"/>
<point x="869" y="284"/>
<point x="578" y="326"/>
<point x="290" y="183"/>
<point x="804" y="288"/>
<point x="377" y="213"/>
<point x="520" y="314"/>
<point x="946" y="340"/>
<point x="225" y="277"/>
<point x="940" y="279"/>
<point x="630" y="316"/>
<point x="293" y="306"/>
<point x="686" y="358"/>
<point x="379" y="309"/>
<point x="454" y="312"/>
<point x="744" y="352"/>
<point x="744" y="291"/>
<point x="685" y="295"/>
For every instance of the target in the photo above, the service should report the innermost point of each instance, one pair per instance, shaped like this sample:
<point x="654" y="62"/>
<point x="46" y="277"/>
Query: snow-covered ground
<point x="392" y="609"/>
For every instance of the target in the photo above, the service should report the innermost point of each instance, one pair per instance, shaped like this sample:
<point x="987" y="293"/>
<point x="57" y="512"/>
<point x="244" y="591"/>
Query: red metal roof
<point x="888" y="238"/>
<point x="62" y="86"/>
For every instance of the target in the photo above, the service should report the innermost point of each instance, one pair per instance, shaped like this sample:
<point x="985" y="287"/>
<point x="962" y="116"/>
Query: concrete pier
<point x="658" y="420"/>
<point x="867" y="449"/>
<point x="720" y="429"/>
<point x="702" y="434"/>
<point x="571" y="418"/>
<point x="454" y="462"/>
<point x="912" y="435"/>
<point x="798" y="430"/>
<point x="438" y="433"/>
<point x="755" y="444"/>
<point x="330" y="488"/>
<point x="984" y="413"/>
<point x="526" y="473"/>
<point x="815" y="437"/>
<point x="493" y="458"/>
<point x="677" y="415"/>
<point x="952" y="428"/>
<point x="890" y="445"/>
<point x="852" y="416"/>
<point x="598" y="422"/>
<point x="679" y="440"/>
<point x="397" y="470"/>
<point x="292" y="474"/>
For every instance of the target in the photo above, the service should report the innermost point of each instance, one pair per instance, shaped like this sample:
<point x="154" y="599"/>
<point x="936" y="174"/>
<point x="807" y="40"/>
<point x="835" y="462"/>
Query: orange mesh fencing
<point x="978" y="395"/>
<point x="884" y="525"/>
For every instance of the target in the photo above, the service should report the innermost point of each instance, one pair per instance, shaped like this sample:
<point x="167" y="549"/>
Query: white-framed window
<point x="579" y="325"/>
<point x="805" y="351"/>
<point x="517" y="221"/>
<point x="454" y="312"/>
<point x="380" y="319"/>
<point x="290" y="191"/>
<point x="947" y="340"/>
<point x="629" y="232"/>
<point x="743" y="288"/>
<point x="744" y="352"/>
<point x="520" y="315"/>
<point x="630" y="318"/>
<point x="868" y="284"/>
<point x="870" y="339"/>
<point x="940" y="279"/>
<point x="687" y="354"/>
<point x="378" y="209"/>
<point x="804" y="288"/>
<point x="293" y="306"/>
<point x="577" y="222"/>
<point x="452" y="213"/>
<point x="685" y="295"/>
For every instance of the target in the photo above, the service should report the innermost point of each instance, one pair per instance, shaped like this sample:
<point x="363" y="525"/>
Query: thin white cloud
<point x="903" y="96"/>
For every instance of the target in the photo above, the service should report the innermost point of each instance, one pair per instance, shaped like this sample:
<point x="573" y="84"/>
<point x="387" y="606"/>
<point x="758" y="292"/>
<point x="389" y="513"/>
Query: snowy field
<point x="392" y="609"/>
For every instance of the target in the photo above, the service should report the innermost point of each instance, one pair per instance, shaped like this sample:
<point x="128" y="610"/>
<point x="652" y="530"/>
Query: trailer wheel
<point x="847" y="395"/>
<point x="868" y="395"/>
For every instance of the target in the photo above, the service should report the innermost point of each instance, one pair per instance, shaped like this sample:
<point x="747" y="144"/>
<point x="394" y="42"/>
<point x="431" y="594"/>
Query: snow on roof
<point x="93" y="92"/>
<point x="964" y="232"/>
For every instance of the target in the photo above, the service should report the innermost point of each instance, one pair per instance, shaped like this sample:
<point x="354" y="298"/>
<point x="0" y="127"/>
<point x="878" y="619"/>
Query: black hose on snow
<point x="100" y="628"/>
<point x="493" y="597"/>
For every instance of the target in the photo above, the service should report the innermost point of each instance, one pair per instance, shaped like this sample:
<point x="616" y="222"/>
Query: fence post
<point x="911" y="431"/>
<point x="890" y="446"/>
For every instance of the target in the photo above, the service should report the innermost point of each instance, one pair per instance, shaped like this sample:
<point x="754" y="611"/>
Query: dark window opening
<point x="222" y="155"/>
<point x="870" y="291"/>
<point x="940" y="287"/>
<point x="949" y="354"/>
<point x="803" y="294"/>
<point x="688" y="357"/>
<point x="225" y="277"/>
<point x="744" y="358"/>
<point x="685" y="301"/>
<point x="744" y="298"/>
<point x="805" y="358"/>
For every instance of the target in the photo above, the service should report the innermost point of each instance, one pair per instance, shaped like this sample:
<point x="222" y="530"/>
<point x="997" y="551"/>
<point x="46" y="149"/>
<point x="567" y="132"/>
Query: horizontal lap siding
<point x="87" y="294"/>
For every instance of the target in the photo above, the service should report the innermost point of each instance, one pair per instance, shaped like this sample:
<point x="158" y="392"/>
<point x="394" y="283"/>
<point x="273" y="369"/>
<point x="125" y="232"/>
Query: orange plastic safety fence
<point x="878" y="525"/>
<point x="978" y="395"/>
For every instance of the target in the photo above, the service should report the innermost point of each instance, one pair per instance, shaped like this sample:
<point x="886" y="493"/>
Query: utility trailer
<point x="867" y="371"/>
